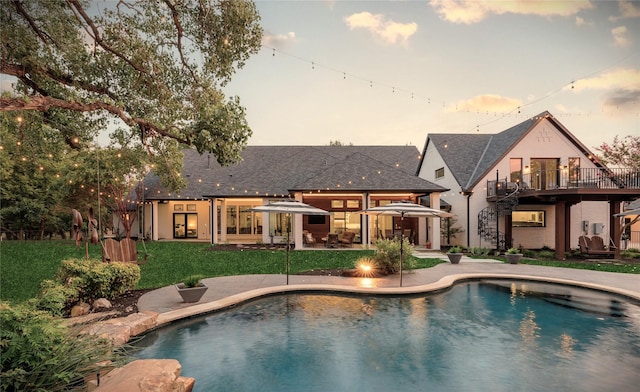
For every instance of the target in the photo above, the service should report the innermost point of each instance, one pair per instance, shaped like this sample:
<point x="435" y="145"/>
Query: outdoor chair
<point x="332" y="240"/>
<point x="347" y="238"/>
<point x="308" y="239"/>
<point x="123" y="251"/>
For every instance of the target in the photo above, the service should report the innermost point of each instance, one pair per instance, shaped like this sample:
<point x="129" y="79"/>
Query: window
<point x="544" y="173"/>
<point x="515" y="168"/>
<point x="353" y="203"/>
<point x="527" y="219"/>
<point x="279" y="224"/>
<point x="317" y="219"/>
<point x="574" y="169"/>
<point x="185" y="225"/>
<point x="337" y="203"/>
<point x="440" y="172"/>
<point x="242" y="221"/>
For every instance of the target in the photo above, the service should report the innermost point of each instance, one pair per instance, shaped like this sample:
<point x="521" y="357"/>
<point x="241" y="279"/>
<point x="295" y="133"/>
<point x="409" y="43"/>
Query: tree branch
<point x="44" y="38"/>
<point x="98" y="38"/>
<point x="43" y="104"/>
<point x="176" y="22"/>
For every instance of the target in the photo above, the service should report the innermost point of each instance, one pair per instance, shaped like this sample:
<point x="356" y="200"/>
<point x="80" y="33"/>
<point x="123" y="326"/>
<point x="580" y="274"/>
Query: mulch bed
<point x="238" y="247"/>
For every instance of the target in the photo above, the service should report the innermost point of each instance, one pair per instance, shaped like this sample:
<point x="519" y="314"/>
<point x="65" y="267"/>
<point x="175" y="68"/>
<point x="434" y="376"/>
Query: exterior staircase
<point x="488" y="217"/>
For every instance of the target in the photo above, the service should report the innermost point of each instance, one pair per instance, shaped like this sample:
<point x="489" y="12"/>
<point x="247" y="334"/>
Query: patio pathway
<point x="228" y="291"/>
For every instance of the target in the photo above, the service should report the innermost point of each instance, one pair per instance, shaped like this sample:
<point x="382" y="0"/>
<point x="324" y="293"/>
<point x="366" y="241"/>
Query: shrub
<point x="40" y="354"/>
<point x="96" y="279"/>
<point x="630" y="254"/>
<point x="55" y="298"/>
<point x="85" y="280"/>
<point x="387" y="255"/>
<point x="513" y="251"/>
<point x="479" y="251"/>
<point x="546" y="254"/>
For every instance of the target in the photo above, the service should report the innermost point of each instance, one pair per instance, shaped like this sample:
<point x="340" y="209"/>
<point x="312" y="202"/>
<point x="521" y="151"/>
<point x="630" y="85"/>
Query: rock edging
<point x="145" y="375"/>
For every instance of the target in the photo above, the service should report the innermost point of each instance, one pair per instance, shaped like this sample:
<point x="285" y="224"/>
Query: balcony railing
<point x="593" y="178"/>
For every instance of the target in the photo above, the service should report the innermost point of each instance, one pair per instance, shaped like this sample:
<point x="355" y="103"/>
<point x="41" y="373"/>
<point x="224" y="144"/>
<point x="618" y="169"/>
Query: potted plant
<point x="454" y="254"/>
<point x="192" y="288"/>
<point x="513" y="255"/>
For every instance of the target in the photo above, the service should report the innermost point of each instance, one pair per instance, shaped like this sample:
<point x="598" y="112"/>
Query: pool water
<point x="479" y="336"/>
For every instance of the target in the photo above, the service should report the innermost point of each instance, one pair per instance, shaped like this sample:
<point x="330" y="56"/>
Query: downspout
<point x="366" y="232"/>
<point x="468" y="195"/>
<point x="468" y="219"/>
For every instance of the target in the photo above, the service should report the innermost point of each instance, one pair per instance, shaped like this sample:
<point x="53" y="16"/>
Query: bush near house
<point x="631" y="253"/>
<point x="387" y="255"/>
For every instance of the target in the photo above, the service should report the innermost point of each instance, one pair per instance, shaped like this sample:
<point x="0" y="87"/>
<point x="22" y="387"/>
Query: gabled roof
<point x="278" y="170"/>
<point x="470" y="157"/>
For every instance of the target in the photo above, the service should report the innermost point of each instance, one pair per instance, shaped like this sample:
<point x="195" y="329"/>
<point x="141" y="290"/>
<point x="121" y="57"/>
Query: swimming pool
<point x="491" y="335"/>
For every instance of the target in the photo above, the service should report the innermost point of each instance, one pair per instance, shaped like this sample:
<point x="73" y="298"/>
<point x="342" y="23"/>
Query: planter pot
<point x="454" y="258"/>
<point x="513" y="258"/>
<point x="191" y="294"/>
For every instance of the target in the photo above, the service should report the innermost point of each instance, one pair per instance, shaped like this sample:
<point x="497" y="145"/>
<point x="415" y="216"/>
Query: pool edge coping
<point x="443" y="283"/>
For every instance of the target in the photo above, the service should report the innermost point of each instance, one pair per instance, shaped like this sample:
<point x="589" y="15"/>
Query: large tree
<point x="156" y="66"/>
<point x="38" y="171"/>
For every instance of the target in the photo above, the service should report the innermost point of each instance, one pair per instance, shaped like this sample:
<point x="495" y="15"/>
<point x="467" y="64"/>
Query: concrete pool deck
<point x="228" y="291"/>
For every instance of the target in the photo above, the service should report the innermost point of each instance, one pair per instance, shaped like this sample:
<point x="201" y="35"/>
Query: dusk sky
<point x="391" y="72"/>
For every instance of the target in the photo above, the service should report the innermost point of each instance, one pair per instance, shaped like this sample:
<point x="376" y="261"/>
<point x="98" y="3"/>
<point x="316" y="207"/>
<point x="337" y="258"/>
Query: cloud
<point x="628" y="10"/>
<point x="488" y="103"/>
<point x="474" y="11"/>
<point x="388" y="30"/>
<point x="279" y="41"/>
<point x="620" y="78"/>
<point x="621" y="36"/>
<point x="622" y="99"/>
<point x="621" y="86"/>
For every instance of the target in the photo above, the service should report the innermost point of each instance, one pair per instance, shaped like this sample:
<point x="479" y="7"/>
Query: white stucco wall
<point x="544" y="141"/>
<point x="458" y="202"/>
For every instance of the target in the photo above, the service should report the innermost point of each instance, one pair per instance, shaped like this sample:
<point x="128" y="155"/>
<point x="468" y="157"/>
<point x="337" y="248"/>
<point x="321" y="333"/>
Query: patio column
<point x="223" y="221"/>
<point x="560" y="229"/>
<point x="365" y="220"/>
<point x="297" y="225"/>
<point x="154" y="221"/>
<point x="614" y="226"/>
<point x="213" y="221"/>
<point x="434" y="200"/>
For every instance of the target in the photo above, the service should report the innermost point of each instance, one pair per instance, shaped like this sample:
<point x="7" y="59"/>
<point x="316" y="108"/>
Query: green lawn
<point x="23" y="265"/>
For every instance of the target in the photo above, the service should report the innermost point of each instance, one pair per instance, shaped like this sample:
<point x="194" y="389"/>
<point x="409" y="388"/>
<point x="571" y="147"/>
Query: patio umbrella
<point x="402" y="209"/>
<point x="630" y="212"/>
<point x="290" y="207"/>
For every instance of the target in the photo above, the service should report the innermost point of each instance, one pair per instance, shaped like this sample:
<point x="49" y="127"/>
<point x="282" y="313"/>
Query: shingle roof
<point x="469" y="156"/>
<point x="278" y="170"/>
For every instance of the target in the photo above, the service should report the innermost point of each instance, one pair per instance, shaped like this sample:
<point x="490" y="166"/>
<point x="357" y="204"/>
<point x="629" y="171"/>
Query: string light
<point x="516" y="111"/>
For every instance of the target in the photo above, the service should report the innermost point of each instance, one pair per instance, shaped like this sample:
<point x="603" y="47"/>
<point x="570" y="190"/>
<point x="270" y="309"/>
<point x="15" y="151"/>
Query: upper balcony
<point x="620" y="183"/>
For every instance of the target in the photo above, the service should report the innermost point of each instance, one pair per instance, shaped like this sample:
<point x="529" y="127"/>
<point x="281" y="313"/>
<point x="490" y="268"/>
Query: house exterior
<point x="532" y="185"/>
<point x="216" y="204"/>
